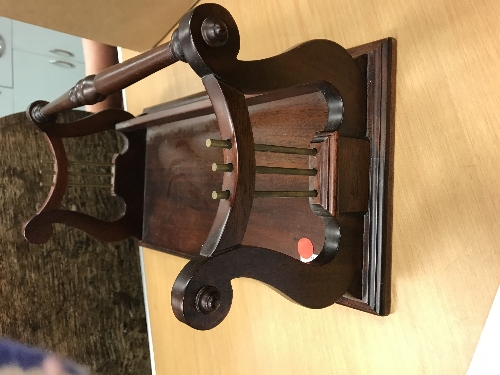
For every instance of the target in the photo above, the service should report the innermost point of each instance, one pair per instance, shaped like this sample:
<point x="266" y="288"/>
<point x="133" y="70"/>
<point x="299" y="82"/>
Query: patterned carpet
<point x="74" y="295"/>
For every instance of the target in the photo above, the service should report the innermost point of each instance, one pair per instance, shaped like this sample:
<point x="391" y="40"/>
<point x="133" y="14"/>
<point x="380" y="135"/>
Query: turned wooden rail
<point x="95" y="88"/>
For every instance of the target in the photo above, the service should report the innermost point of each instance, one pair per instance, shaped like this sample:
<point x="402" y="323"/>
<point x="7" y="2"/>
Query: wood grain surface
<point x="446" y="265"/>
<point x="179" y="171"/>
<point x="140" y="25"/>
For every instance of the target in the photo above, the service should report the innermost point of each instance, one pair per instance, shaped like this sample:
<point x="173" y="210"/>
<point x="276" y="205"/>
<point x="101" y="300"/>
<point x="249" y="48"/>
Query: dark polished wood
<point x="198" y="105"/>
<point x="278" y="122"/>
<point x="308" y="63"/>
<point x="377" y="250"/>
<point x="317" y="96"/>
<point x="179" y="178"/>
<point x="230" y="222"/>
<point x="302" y="283"/>
<point x="195" y="299"/>
<point x="325" y="180"/>
<point x="128" y="182"/>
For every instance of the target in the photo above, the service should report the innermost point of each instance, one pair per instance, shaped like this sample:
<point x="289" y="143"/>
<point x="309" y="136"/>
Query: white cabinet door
<point x="6" y="101"/>
<point x="43" y="41"/>
<point x="38" y="77"/>
<point x="5" y="52"/>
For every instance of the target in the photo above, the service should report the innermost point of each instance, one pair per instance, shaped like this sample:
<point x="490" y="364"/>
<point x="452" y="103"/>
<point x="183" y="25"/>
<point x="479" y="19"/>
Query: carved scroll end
<point x="38" y="229"/>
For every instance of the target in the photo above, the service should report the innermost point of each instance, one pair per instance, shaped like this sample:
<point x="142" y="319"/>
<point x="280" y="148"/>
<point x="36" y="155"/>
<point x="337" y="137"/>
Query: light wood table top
<point x="446" y="262"/>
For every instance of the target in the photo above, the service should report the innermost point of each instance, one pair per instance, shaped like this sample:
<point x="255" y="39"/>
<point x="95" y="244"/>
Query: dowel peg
<point x="220" y="194"/>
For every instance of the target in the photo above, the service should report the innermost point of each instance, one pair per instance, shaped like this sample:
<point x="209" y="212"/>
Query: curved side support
<point x="308" y="63"/>
<point x="202" y="293"/>
<point x="335" y="105"/>
<point x="230" y="223"/>
<point x="128" y="181"/>
<point x="57" y="190"/>
<point x="39" y="229"/>
<point x="95" y="123"/>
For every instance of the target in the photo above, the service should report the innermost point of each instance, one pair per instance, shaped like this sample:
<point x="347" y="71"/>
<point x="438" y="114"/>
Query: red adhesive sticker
<point x="305" y="248"/>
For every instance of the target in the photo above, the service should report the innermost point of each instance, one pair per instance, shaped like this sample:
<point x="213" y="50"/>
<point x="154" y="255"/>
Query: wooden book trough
<point x="293" y="148"/>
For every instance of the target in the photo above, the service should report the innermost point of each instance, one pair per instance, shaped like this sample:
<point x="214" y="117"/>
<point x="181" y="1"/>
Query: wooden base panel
<point x="375" y="281"/>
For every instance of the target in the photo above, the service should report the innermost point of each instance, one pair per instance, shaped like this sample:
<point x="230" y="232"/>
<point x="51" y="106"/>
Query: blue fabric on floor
<point x="25" y="357"/>
<point x="12" y="353"/>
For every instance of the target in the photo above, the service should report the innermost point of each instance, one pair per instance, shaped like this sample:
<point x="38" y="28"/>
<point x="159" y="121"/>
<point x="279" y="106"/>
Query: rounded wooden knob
<point x="208" y="299"/>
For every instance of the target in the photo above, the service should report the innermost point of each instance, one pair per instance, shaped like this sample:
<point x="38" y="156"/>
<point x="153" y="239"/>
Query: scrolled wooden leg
<point x="202" y="293"/>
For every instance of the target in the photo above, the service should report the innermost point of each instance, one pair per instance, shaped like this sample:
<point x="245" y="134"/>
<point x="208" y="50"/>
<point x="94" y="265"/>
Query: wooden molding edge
<point x="375" y="283"/>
